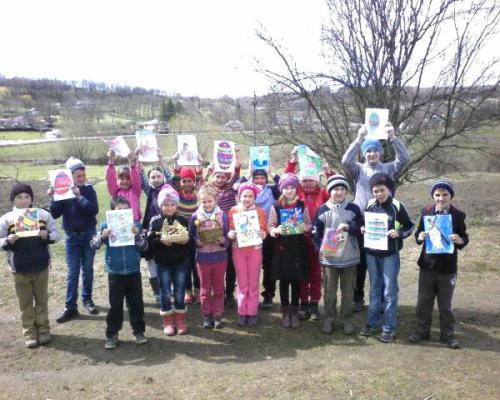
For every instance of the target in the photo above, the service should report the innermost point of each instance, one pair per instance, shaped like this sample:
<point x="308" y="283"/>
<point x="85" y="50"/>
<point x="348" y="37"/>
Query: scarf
<point x="202" y="215"/>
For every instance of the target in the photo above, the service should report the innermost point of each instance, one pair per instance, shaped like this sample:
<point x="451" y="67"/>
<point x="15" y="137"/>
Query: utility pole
<point x="254" y="104"/>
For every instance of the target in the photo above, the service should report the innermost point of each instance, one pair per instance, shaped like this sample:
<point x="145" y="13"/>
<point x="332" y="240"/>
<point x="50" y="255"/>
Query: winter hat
<point x="443" y="184"/>
<point x="248" y="186"/>
<point x="187" y="173"/>
<point x="381" y="178"/>
<point x="20" y="187"/>
<point x="337" y="180"/>
<point x="259" y="172"/>
<point x="167" y="193"/>
<point x="288" y="179"/>
<point x="369" y="144"/>
<point x="74" y="163"/>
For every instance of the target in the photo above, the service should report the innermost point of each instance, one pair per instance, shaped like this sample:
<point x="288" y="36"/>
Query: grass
<point x="21" y="135"/>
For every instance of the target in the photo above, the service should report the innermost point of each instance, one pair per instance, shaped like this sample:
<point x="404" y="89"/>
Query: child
<point x="383" y="265"/>
<point x="171" y="249"/>
<point x="125" y="183"/>
<point x="289" y="260"/>
<point x="338" y="217"/>
<point x="29" y="261"/>
<point x="122" y="263"/>
<point x="438" y="272"/>
<point x="211" y="255"/>
<point x="247" y="260"/>
<point x="313" y="196"/>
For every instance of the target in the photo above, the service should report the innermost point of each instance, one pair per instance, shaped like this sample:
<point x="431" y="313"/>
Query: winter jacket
<point x="329" y="216"/>
<point x="267" y="196"/>
<point x="174" y="254"/>
<point x="28" y="254"/>
<point x="211" y="252"/>
<point x="132" y="194"/>
<point x="151" y="193"/>
<point x="443" y="263"/>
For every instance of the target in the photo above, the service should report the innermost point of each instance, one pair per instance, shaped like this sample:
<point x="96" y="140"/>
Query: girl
<point x="288" y="222"/>
<point x="171" y="249"/>
<point x="208" y="228"/>
<point x="247" y="260"/>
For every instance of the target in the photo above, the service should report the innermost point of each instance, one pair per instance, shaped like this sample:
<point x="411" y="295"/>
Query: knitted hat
<point x="259" y="172"/>
<point x="73" y="164"/>
<point x="20" y="187"/>
<point x="443" y="184"/>
<point x="337" y="180"/>
<point x="288" y="179"/>
<point x="314" y="178"/>
<point x="248" y="186"/>
<point x="370" y="144"/>
<point x="187" y="173"/>
<point x="167" y="193"/>
<point x="381" y="178"/>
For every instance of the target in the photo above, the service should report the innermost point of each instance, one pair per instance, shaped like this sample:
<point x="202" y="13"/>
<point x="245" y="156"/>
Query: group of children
<point x="200" y="258"/>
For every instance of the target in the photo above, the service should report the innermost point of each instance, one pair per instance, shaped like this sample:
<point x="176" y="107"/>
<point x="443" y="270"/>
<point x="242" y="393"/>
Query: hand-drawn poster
<point x="120" y="223"/>
<point x="375" y="121"/>
<point x="247" y="228"/>
<point x="62" y="182"/>
<point x="376" y="228"/>
<point x="147" y="145"/>
<point x="27" y="223"/>
<point x="291" y="220"/>
<point x="187" y="147"/>
<point x="224" y="156"/>
<point x="333" y="243"/>
<point x="118" y="145"/>
<point x="438" y="229"/>
<point x="309" y="162"/>
<point x="259" y="157"/>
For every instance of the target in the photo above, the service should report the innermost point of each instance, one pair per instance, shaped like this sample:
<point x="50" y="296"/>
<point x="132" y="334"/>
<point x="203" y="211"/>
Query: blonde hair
<point x="207" y="190"/>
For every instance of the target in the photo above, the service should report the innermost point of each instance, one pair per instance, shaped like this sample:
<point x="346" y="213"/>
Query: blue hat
<point x="370" y="143"/>
<point x="443" y="184"/>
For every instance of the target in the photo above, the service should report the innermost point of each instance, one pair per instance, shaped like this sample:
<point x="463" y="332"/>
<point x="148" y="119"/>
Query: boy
<point x="383" y="265"/>
<point x="29" y="261"/>
<point x="122" y="263"/>
<point x="438" y="272"/>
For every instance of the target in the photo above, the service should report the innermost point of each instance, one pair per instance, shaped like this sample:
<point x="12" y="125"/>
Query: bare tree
<point x="79" y="126"/>
<point x="422" y="59"/>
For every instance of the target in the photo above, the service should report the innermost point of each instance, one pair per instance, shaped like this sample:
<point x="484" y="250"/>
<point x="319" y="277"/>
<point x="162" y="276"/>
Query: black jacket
<point x="443" y="263"/>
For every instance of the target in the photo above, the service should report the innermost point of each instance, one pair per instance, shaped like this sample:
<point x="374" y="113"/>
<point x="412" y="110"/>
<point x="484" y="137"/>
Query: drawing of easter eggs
<point x="62" y="183"/>
<point x="224" y="155"/>
<point x="374" y="120"/>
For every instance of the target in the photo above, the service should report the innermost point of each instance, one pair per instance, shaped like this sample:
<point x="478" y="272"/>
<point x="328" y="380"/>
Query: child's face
<point x="124" y="181"/>
<point x="79" y="177"/>
<point x="380" y="192"/>
<point x="247" y="198"/>
<point x="259" y="180"/>
<point x="156" y="178"/>
<point x="309" y="183"/>
<point x="221" y="179"/>
<point x="442" y="199"/>
<point x="168" y="208"/>
<point x="22" y="200"/>
<point x="187" y="184"/>
<point x="289" y="192"/>
<point x="208" y="203"/>
<point x="372" y="156"/>
<point x="338" y="193"/>
<point x="121" y="206"/>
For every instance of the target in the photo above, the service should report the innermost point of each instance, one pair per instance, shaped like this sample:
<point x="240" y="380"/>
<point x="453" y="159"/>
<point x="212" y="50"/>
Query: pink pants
<point x="310" y="290"/>
<point x="247" y="263"/>
<point x="212" y="288"/>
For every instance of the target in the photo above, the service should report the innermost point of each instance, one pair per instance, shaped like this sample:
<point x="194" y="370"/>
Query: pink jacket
<point x="132" y="194"/>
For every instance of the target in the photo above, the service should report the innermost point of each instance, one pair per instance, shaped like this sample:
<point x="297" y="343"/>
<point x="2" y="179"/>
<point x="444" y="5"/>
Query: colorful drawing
<point x="118" y="145"/>
<point x="147" y="145"/>
<point x="375" y="121"/>
<point x="26" y="223"/>
<point x="120" y="223"/>
<point x="62" y="182"/>
<point x="188" y="150"/>
<point x="309" y="162"/>
<point x="333" y="243"/>
<point x="247" y="228"/>
<point x="291" y="220"/>
<point x="259" y="157"/>
<point x="376" y="228"/>
<point x="224" y="156"/>
<point x="438" y="229"/>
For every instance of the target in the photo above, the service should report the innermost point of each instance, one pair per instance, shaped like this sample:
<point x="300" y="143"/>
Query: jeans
<point x="79" y="256"/>
<point x="383" y="272"/>
<point x="176" y="275"/>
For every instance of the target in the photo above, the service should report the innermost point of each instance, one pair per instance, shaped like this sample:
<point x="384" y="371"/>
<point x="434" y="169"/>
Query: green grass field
<point x="21" y="135"/>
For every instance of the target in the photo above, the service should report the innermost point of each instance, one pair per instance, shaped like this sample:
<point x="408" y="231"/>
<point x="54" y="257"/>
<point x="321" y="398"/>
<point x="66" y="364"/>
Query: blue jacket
<point x="79" y="215"/>
<point x="124" y="260"/>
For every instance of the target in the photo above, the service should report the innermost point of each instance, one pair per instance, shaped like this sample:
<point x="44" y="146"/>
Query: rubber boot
<point x="180" y="322"/>
<point x="285" y="315"/>
<point x="168" y="325"/>
<point x="294" y="317"/>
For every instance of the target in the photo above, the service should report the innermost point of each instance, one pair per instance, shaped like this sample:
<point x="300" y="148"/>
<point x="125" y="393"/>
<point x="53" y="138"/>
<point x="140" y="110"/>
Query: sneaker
<point x="44" y="338"/>
<point x="450" y="341"/>
<point x="314" y="312"/>
<point x="188" y="298"/>
<point x="417" y="337"/>
<point x="366" y="331"/>
<point x="386" y="337"/>
<point x="327" y="327"/>
<point x="358" y="306"/>
<point x="67" y="315"/>
<point x="348" y="328"/>
<point x="111" y="343"/>
<point x="90" y="307"/>
<point x="140" y="338"/>
<point x="218" y="323"/>
<point x="304" y="313"/>
<point x="229" y="300"/>
<point x="31" y="343"/>
<point x="242" y="320"/>
<point x="252" y="320"/>
<point x="208" y="323"/>
<point x="267" y="303"/>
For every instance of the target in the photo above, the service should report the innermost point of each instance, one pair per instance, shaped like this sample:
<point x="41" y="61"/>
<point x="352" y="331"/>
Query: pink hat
<point x="288" y="179"/>
<point x="167" y="193"/>
<point x="248" y="186"/>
